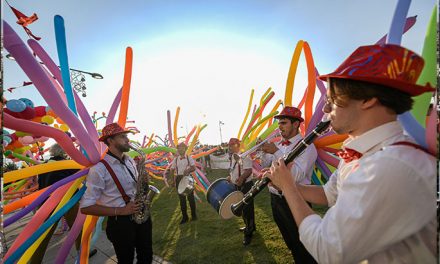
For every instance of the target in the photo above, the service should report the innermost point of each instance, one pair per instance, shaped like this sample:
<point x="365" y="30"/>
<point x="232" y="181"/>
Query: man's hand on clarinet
<point x="280" y="176"/>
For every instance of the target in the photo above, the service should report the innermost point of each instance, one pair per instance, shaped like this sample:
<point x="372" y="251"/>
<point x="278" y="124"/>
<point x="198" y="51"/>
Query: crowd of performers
<point x="381" y="198"/>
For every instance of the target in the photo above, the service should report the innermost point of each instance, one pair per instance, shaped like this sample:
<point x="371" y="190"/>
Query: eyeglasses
<point x="328" y="102"/>
<point x="333" y="100"/>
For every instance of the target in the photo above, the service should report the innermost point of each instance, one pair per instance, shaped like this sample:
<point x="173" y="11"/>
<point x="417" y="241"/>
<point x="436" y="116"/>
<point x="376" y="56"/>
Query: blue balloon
<point x="7" y="138"/>
<point x="60" y="36"/>
<point x="15" y="105"/>
<point x="413" y="128"/>
<point x="398" y="23"/>
<point x="28" y="102"/>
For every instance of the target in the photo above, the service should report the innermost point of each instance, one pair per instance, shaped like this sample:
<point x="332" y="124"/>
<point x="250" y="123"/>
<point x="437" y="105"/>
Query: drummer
<point x="183" y="165"/>
<point x="240" y="175"/>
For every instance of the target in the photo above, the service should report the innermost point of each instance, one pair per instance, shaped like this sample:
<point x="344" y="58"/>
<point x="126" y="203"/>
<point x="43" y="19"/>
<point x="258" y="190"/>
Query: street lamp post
<point x="77" y="77"/>
<point x="220" y="123"/>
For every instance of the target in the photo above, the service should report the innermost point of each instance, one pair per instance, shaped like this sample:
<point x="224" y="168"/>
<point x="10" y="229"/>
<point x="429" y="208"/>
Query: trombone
<point x="239" y="157"/>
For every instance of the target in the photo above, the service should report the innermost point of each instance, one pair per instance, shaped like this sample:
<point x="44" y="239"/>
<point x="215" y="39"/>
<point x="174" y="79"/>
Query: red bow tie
<point x="285" y="143"/>
<point x="349" y="154"/>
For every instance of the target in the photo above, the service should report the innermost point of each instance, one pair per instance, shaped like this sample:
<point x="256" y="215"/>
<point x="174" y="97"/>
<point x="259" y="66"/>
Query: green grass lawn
<point x="211" y="239"/>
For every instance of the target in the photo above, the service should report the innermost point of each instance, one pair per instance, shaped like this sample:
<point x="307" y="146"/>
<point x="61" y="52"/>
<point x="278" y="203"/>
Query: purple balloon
<point x="70" y="240"/>
<point x="113" y="108"/>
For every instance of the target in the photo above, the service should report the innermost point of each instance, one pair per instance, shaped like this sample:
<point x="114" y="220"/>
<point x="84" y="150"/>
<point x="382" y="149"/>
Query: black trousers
<point x="248" y="210"/>
<point x="286" y="224"/>
<point x="183" y="198"/>
<point x="127" y="236"/>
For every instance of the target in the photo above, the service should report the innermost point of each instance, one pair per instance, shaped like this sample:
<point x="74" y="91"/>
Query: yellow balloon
<point x="64" y="128"/>
<point x="21" y="134"/>
<point x="19" y="150"/>
<point x="39" y="169"/>
<point x="48" y="119"/>
<point x="26" y="148"/>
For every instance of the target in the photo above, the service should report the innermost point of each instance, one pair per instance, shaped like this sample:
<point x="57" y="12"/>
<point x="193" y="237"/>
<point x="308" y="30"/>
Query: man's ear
<point x="368" y="103"/>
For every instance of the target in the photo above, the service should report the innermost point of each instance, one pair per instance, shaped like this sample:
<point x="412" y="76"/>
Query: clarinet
<point x="237" y="208"/>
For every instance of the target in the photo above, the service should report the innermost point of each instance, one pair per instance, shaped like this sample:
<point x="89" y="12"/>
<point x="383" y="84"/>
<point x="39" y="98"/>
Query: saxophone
<point x="144" y="191"/>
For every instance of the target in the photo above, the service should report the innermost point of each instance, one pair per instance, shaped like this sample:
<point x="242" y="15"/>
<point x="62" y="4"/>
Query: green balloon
<point x="429" y="54"/>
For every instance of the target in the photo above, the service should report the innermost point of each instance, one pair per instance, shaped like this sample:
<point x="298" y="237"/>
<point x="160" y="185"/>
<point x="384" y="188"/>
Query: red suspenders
<point x="118" y="183"/>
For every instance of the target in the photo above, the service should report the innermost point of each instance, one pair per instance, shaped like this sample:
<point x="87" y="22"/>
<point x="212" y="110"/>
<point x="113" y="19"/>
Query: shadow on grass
<point x="211" y="239"/>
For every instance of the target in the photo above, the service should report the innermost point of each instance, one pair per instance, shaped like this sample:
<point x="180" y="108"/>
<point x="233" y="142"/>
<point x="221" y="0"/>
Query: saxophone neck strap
<point x="117" y="182"/>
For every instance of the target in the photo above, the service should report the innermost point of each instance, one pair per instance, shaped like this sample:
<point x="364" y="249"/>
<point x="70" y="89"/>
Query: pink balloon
<point x="41" y="130"/>
<point x="328" y="158"/>
<point x="39" y="218"/>
<point x="432" y="128"/>
<point x="42" y="139"/>
<point x="15" y="46"/>
<point x="26" y="140"/>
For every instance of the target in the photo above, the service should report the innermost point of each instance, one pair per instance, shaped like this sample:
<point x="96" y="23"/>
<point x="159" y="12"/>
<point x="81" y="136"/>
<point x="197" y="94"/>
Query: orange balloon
<point x="23" y="201"/>
<point x="36" y="119"/>
<point x="52" y="113"/>
<point x="329" y="140"/>
<point x="126" y="87"/>
<point x="14" y="145"/>
<point x="60" y="121"/>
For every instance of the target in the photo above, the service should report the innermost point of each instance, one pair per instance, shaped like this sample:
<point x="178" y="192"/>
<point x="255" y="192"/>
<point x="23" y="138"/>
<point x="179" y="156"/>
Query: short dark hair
<point x="391" y="98"/>
<point x="292" y="120"/>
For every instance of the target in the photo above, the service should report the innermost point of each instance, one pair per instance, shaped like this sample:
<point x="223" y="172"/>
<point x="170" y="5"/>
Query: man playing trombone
<point x="240" y="168"/>
<point x="289" y="121"/>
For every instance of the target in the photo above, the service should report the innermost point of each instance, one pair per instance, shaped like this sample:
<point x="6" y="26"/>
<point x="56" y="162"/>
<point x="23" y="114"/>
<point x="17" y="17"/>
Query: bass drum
<point x="221" y="195"/>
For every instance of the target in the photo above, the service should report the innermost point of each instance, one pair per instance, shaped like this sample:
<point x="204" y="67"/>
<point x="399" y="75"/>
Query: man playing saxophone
<point x="111" y="189"/>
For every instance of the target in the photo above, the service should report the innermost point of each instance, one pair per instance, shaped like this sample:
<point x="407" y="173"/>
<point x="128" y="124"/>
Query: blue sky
<point x="204" y="56"/>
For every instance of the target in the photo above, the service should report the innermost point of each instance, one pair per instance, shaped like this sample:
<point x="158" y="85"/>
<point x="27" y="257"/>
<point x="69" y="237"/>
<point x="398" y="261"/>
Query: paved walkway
<point x="105" y="254"/>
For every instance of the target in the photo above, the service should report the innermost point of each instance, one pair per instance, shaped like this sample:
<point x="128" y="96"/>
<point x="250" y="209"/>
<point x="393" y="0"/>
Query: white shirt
<point x="182" y="164"/>
<point x="101" y="188"/>
<point x="233" y="168"/>
<point x="302" y="168"/>
<point x="383" y="206"/>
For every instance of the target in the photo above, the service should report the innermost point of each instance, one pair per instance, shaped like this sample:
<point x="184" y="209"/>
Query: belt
<point x="116" y="217"/>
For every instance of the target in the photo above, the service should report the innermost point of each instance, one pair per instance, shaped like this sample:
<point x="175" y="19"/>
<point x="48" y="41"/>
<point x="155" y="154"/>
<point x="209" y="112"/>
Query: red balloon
<point x="14" y="114"/>
<point x="28" y="113"/>
<point x="13" y="136"/>
<point x="40" y="110"/>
